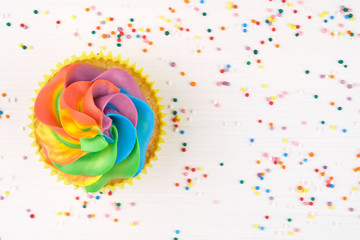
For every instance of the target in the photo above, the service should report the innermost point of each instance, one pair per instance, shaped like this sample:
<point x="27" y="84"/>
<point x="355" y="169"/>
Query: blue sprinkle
<point x="267" y="190"/>
<point x="182" y="131"/>
<point x="137" y="36"/>
<point x="285" y="154"/>
<point x="305" y="160"/>
<point x="262" y="228"/>
<point x="346" y="17"/>
<point x="332" y="185"/>
<point x="187" y="188"/>
<point x="177" y="231"/>
<point x="97" y="197"/>
<point x="257" y="187"/>
<point x="344" y="130"/>
<point x="1" y="112"/>
<point x="228" y="66"/>
<point x="252" y="140"/>
<point x="261" y="178"/>
<point x="244" y="30"/>
<point x="244" y="25"/>
<point x="332" y="17"/>
<point x="202" y="1"/>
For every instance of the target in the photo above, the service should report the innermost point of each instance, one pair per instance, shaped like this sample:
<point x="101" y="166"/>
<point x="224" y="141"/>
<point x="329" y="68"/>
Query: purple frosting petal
<point x="122" y="79"/>
<point x="81" y="72"/>
<point x="122" y="104"/>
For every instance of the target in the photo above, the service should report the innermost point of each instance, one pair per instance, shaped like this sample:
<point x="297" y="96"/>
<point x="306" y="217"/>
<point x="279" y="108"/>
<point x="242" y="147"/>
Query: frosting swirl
<point x="94" y="125"/>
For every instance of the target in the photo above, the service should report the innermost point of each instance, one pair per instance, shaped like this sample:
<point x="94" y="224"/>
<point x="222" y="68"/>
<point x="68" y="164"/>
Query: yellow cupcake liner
<point x="117" y="60"/>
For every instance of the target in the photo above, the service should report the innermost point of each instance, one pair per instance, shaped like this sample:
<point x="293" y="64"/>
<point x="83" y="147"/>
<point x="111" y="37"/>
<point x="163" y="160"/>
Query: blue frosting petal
<point x="126" y="136"/>
<point x="144" y="128"/>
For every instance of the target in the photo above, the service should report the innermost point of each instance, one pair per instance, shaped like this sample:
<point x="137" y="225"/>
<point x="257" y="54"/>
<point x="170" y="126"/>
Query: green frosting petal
<point x="94" y="144"/>
<point x="125" y="169"/>
<point x="95" y="163"/>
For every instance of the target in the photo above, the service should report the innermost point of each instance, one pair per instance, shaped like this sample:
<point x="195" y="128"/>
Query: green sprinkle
<point x="248" y="62"/>
<point x="297" y="34"/>
<point x="36" y="11"/>
<point x="289" y="219"/>
<point x="339" y="108"/>
<point x="175" y="112"/>
<point x="175" y="99"/>
<point x="209" y="30"/>
<point x="241" y="181"/>
<point x="184" y="144"/>
<point x="8" y="24"/>
<point x="316" y="96"/>
<point x="256" y="51"/>
<point x="118" y="44"/>
<point x="167" y="33"/>
<point x="118" y="204"/>
<point x="281" y="11"/>
<point x="118" y="36"/>
<point x="325" y="21"/>
<point x="204" y="14"/>
<point x="346" y="9"/>
<point x="24" y="47"/>
<point x="270" y="39"/>
<point x="307" y="71"/>
<point x="221" y="164"/>
<point x="312" y="199"/>
<point x="93" y="32"/>
<point x="340" y="61"/>
<point x="131" y="19"/>
<point x="352" y="34"/>
<point x="345" y="66"/>
<point x="322" y="122"/>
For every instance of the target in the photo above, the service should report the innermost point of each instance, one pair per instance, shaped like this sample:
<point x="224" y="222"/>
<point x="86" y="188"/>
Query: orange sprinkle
<point x="67" y="214"/>
<point x="172" y="10"/>
<point x="193" y="84"/>
<point x="344" y="198"/>
<point x="144" y="50"/>
<point x="112" y="32"/>
<point x="186" y="1"/>
<point x="253" y="20"/>
<point x="150" y="43"/>
<point x="258" y="162"/>
<point x="85" y="202"/>
<point x="332" y="76"/>
<point x="7" y="116"/>
<point x="311" y="154"/>
<point x="87" y="9"/>
<point x="198" y="51"/>
<point x="332" y="103"/>
<point x="280" y="162"/>
<point x="182" y="73"/>
<point x="358" y="155"/>
<point x="129" y="25"/>
<point x="356" y="169"/>
<point x="89" y="44"/>
<point x="271" y="124"/>
<point x="331" y="178"/>
<point x="258" y="61"/>
<point x="322" y="174"/>
<point x="332" y="34"/>
<point x="283" y="166"/>
<point x="262" y="174"/>
<point x="299" y="187"/>
<point x="103" y="36"/>
<point x="161" y="29"/>
<point x="348" y="32"/>
<point x="115" y="220"/>
<point x="277" y="45"/>
<point x="3" y="94"/>
<point x="148" y="30"/>
<point x="92" y="215"/>
<point x="222" y="28"/>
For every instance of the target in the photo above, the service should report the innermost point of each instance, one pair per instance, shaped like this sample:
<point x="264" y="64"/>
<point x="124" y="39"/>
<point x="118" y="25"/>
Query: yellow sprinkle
<point x="291" y="233"/>
<point x="229" y="7"/>
<point x="352" y="19"/>
<point x="46" y="12"/>
<point x="141" y="29"/>
<point x="261" y="66"/>
<point x="331" y="207"/>
<point x="30" y="47"/>
<point x="6" y="192"/>
<point x="273" y="97"/>
<point x="197" y="37"/>
<point x="285" y="140"/>
<point x="20" y="45"/>
<point x="257" y="193"/>
<point x="311" y="216"/>
<point x="191" y="184"/>
<point x="354" y="188"/>
<point x="176" y="26"/>
<point x="230" y="3"/>
<point x="300" y="191"/>
<point x="200" y="169"/>
<point x="132" y="224"/>
<point x="290" y="4"/>
<point x="305" y="190"/>
<point x="107" y="19"/>
<point x="341" y="34"/>
<point x="58" y="213"/>
<point x="161" y="17"/>
<point x="243" y="89"/>
<point x="180" y="119"/>
<point x="321" y="15"/>
<point x="264" y="85"/>
<point x="73" y="17"/>
<point x="102" y="47"/>
<point x="168" y="20"/>
<point x="326" y="13"/>
<point x="333" y="127"/>
<point x="291" y="25"/>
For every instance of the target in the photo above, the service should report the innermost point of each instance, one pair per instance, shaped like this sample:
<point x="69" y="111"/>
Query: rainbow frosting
<point x="94" y="125"/>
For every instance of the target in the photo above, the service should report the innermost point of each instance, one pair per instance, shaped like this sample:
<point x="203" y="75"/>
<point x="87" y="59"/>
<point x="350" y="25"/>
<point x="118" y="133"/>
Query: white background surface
<point x="214" y="135"/>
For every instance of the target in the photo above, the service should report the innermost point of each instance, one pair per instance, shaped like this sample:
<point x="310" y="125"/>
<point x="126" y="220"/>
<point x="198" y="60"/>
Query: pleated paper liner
<point x="107" y="62"/>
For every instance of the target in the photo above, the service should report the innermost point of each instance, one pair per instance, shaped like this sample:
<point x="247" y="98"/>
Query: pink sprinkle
<point x="281" y="96"/>
<point x="297" y="230"/>
<point x="324" y="30"/>
<point x="76" y="34"/>
<point x="178" y="19"/>
<point x="185" y="173"/>
<point x="107" y="215"/>
<point x="183" y="110"/>
<point x="265" y="154"/>
<point x="218" y="83"/>
<point x="236" y="14"/>
<point x="285" y="92"/>
<point x="196" y="9"/>
<point x="303" y="122"/>
<point x="117" y="208"/>
<point x="341" y="25"/>
<point x="92" y="7"/>
<point x="217" y="105"/>
<point x="216" y="201"/>
<point x="295" y="143"/>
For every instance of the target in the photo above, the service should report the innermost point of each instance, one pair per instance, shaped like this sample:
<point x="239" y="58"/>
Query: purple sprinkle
<point x="25" y="27"/>
<point x="283" y="128"/>
<point x="329" y="203"/>
<point x="89" y="215"/>
<point x="324" y="167"/>
<point x="349" y="86"/>
<point x="300" y="163"/>
<point x="24" y="157"/>
<point x="173" y="64"/>
<point x="102" y="22"/>
<point x="108" y="35"/>
<point x="132" y="204"/>
<point x="1" y="198"/>
<point x="271" y="198"/>
<point x="279" y="14"/>
<point x="120" y="29"/>
<point x="322" y="76"/>
<point x="268" y="170"/>
<point x="272" y="128"/>
<point x="128" y="36"/>
<point x="98" y="13"/>
<point x="351" y="209"/>
<point x="219" y="49"/>
<point x="342" y="81"/>
<point x="259" y="174"/>
<point x="28" y="210"/>
<point x="90" y="196"/>
<point x="247" y="48"/>
<point x="349" y="98"/>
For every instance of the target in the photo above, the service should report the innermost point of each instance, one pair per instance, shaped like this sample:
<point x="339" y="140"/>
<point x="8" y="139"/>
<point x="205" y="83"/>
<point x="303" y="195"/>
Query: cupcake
<point x="97" y="122"/>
